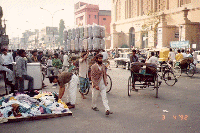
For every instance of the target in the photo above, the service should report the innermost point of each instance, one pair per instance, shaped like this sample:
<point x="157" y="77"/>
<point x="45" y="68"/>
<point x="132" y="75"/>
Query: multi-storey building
<point x="48" y="37"/>
<point x="86" y="14"/>
<point x="154" y="23"/>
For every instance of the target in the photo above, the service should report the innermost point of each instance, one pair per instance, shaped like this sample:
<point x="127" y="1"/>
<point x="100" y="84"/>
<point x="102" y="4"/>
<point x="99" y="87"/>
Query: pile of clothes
<point x="22" y="105"/>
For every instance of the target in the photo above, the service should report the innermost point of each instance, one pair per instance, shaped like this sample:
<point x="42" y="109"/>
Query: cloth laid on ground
<point x="23" y="105"/>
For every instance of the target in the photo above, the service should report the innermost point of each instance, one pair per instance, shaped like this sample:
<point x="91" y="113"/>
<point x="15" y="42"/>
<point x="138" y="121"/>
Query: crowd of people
<point x="57" y="64"/>
<point x="58" y="71"/>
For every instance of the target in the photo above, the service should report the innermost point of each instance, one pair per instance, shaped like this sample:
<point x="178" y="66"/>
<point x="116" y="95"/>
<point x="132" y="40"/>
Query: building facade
<point x="154" y="23"/>
<point x="88" y="14"/>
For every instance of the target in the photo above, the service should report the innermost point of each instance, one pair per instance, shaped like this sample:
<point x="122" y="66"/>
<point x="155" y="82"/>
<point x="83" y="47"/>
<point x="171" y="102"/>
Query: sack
<point x="136" y="66"/>
<point x="186" y="60"/>
<point x="151" y="68"/>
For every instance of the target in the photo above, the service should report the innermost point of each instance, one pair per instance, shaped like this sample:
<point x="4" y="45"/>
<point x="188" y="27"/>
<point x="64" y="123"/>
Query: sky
<point x="21" y="15"/>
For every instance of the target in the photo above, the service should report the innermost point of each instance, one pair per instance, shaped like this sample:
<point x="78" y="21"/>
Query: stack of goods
<point x="90" y="37"/>
<point x="24" y="106"/>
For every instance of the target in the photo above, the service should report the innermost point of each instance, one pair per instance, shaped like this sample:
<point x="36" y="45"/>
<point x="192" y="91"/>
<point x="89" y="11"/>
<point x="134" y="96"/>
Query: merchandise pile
<point x="24" y="106"/>
<point x="90" y="37"/>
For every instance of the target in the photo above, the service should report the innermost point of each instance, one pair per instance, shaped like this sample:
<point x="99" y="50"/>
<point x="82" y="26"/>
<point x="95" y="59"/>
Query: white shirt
<point x="8" y="59"/>
<point x="49" y="62"/>
<point x="184" y="55"/>
<point x="153" y="60"/>
<point x="83" y="68"/>
<point x="105" y="55"/>
<point x="65" y="60"/>
<point x="172" y="56"/>
<point x="195" y="55"/>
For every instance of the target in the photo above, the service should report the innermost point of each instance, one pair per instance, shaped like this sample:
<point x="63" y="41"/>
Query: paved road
<point x="139" y="113"/>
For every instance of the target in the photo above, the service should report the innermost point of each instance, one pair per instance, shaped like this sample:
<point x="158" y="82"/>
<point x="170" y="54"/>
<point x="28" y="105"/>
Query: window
<point x="104" y="18"/>
<point x="95" y="16"/>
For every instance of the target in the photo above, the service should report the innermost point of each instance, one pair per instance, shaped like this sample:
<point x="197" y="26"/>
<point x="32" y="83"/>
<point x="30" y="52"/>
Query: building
<point x="48" y="37"/>
<point x="86" y="14"/>
<point x="4" y="40"/>
<point x="154" y="23"/>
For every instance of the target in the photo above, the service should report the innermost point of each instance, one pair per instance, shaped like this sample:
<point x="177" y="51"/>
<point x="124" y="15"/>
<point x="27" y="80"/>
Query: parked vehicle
<point x="124" y="60"/>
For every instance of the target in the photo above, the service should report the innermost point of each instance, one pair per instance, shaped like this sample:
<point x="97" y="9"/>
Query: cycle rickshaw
<point x="143" y="75"/>
<point x="185" y="65"/>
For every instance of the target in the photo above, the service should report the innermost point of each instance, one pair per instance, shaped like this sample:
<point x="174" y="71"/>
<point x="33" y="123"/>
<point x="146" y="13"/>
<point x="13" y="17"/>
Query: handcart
<point x="143" y="75"/>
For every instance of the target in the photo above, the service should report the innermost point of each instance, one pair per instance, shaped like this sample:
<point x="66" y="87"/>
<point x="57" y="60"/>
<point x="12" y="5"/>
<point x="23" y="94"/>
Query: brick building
<point x="86" y="14"/>
<point x="154" y="23"/>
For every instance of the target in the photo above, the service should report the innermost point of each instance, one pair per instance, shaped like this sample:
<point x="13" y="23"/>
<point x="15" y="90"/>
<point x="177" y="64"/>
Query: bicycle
<point x="167" y="74"/>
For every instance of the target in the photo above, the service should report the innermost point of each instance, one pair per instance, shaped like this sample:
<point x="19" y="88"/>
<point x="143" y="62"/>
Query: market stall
<point x="22" y="107"/>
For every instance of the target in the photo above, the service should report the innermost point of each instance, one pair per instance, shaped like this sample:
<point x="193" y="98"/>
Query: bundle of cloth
<point x="22" y="105"/>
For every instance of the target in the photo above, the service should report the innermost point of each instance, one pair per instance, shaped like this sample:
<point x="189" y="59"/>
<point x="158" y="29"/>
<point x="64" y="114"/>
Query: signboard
<point x="179" y="44"/>
<point x="194" y="46"/>
<point x="51" y="30"/>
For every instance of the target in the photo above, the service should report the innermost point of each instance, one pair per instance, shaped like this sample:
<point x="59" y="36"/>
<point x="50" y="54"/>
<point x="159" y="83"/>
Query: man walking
<point x="98" y="77"/>
<point x="83" y="73"/>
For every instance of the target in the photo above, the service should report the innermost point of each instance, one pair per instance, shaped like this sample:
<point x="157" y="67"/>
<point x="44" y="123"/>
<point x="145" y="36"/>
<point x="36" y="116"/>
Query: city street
<point x="177" y="109"/>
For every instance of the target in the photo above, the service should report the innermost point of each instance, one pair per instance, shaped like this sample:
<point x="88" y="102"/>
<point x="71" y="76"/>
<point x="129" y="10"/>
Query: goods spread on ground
<point x="90" y="37"/>
<point x="22" y="107"/>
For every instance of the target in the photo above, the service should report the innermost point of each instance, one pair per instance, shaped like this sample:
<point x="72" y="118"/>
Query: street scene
<point x="107" y="66"/>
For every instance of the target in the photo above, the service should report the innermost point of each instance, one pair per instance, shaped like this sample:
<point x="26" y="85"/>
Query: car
<point x="124" y="60"/>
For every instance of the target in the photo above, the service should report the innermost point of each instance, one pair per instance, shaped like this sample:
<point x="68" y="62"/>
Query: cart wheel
<point x="177" y="71"/>
<point x="169" y="78"/>
<point x="191" y="70"/>
<point x="156" y="86"/>
<point x="129" y="85"/>
<point x="109" y="84"/>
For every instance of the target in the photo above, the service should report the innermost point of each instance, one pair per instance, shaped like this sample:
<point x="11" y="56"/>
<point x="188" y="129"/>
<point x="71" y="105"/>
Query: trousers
<point x="71" y="89"/>
<point x="50" y="71"/>
<point x="56" y="71"/>
<point x="102" y="91"/>
<point x="84" y="84"/>
<point x="30" y="83"/>
<point x="9" y="73"/>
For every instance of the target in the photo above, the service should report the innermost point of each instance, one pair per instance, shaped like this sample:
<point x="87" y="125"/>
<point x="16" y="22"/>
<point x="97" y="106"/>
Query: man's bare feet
<point x="82" y="95"/>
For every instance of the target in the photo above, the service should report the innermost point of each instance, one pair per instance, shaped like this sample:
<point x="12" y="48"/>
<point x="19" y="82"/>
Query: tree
<point x="61" y="29"/>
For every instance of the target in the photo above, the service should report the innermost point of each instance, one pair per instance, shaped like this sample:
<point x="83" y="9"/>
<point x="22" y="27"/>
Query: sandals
<point x="95" y="109"/>
<point x="108" y="112"/>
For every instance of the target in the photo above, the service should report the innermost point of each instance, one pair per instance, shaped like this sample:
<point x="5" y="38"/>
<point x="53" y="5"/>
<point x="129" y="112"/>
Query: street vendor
<point x="72" y="80"/>
<point x="21" y="73"/>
